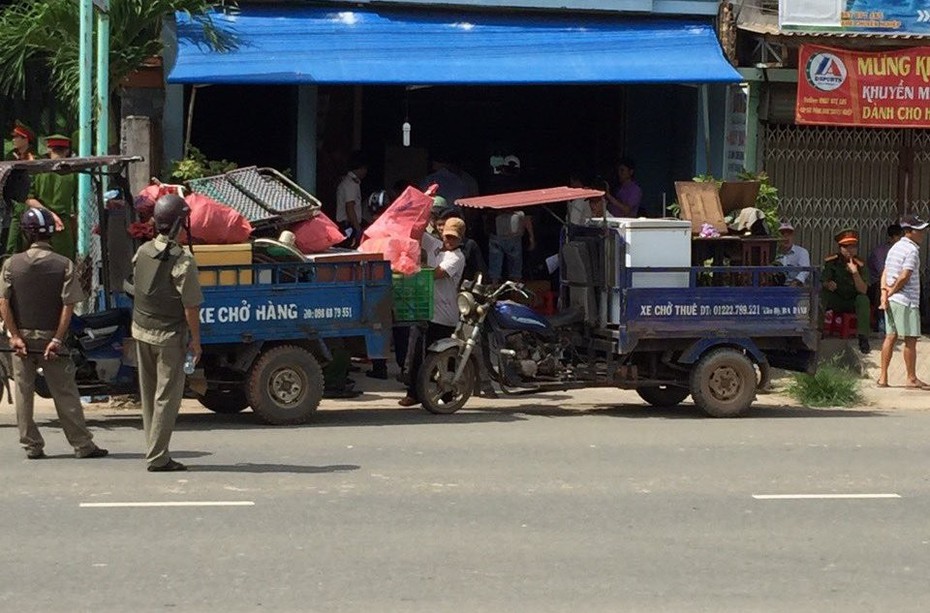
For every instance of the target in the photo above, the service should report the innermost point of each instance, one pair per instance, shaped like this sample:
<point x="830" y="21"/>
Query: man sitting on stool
<point x="846" y="284"/>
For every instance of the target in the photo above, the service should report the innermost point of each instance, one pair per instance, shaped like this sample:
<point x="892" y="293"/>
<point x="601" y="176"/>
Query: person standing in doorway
<point x="38" y="291"/>
<point x="578" y="211"/>
<point x="624" y="201"/>
<point x="349" y="200"/>
<point x="900" y="298"/>
<point x="165" y="325"/>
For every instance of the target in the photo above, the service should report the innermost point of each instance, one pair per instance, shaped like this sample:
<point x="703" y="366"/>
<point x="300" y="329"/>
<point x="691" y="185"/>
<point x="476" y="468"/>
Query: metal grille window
<point x="831" y="178"/>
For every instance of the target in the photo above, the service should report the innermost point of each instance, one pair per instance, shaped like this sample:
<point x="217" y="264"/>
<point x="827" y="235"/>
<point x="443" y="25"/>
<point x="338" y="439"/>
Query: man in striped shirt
<point x="900" y="298"/>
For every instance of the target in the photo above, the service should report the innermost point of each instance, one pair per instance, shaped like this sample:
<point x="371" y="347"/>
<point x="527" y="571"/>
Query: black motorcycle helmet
<point x="379" y="201"/>
<point x="170" y="214"/>
<point x="37" y="223"/>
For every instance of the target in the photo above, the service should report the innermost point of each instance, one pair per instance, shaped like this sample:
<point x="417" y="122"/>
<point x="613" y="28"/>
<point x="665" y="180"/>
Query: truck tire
<point x="723" y="383"/>
<point x="433" y="383"/>
<point x="225" y="401"/>
<point x="663" y="395"/>
<point x="285" y="385"/>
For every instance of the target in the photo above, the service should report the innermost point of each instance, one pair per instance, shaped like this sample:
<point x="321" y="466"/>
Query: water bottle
<point x="189" y="363"/>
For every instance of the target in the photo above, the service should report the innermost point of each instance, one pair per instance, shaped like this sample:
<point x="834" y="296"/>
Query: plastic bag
<point x="316" y="234"/>
<point x="403" y="253"/>
<point x="145" y="199"/>
<point x="405" y="218"/>
<point x="213" y="223"/>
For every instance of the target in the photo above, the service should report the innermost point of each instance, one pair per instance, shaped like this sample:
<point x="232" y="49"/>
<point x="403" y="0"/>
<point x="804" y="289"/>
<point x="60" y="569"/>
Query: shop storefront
<point x="838" y="115"/>
<point x="562" y="91"/>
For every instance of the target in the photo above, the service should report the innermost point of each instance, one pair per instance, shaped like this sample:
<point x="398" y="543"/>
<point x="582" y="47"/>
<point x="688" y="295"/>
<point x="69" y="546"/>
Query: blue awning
<point x="324" y="46"/>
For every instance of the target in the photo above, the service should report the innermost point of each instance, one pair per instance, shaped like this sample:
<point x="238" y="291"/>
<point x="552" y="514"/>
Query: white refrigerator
<point x="643" y="243"/>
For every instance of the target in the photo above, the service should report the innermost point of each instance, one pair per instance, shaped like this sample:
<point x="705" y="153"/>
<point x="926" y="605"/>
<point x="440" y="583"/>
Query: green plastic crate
<point x="413" y="296"/>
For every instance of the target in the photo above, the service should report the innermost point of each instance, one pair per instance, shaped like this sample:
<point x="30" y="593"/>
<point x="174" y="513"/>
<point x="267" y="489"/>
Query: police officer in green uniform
<point x="846" y="284"/>
<point x="58" y="194"/>
<point x="38" y="291"/>
<point x="166" y="325"/>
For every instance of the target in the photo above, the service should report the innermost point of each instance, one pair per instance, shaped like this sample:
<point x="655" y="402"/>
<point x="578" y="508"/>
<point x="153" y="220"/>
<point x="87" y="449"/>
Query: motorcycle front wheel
<point x="435" y="387"/>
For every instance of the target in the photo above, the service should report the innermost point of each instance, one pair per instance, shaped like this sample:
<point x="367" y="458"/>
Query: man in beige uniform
<point x="166" y="310"/>
<point x="38" y="291"/>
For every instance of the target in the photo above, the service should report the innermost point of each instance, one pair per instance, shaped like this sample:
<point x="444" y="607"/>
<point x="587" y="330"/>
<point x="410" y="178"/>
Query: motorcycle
<point x="502" y="341"/>
<point x="103" y="352"/>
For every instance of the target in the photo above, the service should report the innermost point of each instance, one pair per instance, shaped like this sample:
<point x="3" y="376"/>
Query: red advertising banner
<point x="840" y="87"/>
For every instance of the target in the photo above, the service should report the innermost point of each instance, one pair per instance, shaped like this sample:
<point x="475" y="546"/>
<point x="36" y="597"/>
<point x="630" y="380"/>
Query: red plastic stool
<point x="845" y="325"/>
<point x="547" y="303"/>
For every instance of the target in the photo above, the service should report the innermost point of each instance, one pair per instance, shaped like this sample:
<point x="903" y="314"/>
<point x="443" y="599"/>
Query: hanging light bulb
<point x="405" y="129"/>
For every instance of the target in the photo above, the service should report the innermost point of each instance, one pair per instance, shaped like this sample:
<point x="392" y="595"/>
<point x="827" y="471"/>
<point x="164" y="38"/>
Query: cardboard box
<point x="224" y="255"/>
<point x="735" y="195"/>
<point x="703" y="202"/>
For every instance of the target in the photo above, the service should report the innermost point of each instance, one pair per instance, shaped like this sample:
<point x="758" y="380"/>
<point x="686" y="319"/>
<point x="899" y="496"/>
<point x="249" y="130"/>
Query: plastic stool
<point x="547" y="303"/>
<point x="845" y="325"/>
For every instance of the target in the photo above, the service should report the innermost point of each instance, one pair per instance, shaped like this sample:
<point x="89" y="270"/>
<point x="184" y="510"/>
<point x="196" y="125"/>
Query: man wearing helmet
<point x="166" y="311"/>
<point x="38" y="291"/>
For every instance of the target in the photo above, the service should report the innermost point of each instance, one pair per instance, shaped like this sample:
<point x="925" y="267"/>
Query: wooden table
<point x="739" y="250"/>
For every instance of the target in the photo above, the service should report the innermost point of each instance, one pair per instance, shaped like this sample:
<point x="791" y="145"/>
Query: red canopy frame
<point x="532" y="197"/>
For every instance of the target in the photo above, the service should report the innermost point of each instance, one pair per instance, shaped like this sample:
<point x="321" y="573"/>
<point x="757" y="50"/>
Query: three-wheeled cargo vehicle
<point x="267" y="321"/>
<point x="634" y="314"/>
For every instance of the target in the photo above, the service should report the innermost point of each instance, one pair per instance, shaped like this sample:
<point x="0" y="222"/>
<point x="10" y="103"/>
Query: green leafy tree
<point x="43" y="35"/>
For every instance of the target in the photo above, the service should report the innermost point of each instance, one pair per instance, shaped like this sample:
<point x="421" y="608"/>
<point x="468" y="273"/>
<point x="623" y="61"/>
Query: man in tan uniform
<point x="38" y="291"/>
<point x="166" y="310"/>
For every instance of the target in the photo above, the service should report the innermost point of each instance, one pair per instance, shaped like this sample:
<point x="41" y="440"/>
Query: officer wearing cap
<point x="23" y="139"/>
<point x="846" y="284"/>
<point x="166" y="311"/>
<point x="58" y="194"/>
<point x="38" y="291"/>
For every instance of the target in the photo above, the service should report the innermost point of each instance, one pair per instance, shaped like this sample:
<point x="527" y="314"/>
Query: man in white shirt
<point x="793" y="256"/>
<point x="349" y="199"/>
<point x="900" y="298"/>
<point x="448" y="264"/>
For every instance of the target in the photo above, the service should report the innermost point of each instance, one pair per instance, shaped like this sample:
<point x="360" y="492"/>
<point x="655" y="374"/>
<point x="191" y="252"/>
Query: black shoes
<point x="96" y="452"/>
<point x="377" y="374"/>
<point x="864" y="344"/>
<point x="170" y="467"/>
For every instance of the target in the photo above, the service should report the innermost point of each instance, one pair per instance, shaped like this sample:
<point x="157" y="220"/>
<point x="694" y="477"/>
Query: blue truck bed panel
<point x="697" y="311"/>
<point x="295" y="305"/>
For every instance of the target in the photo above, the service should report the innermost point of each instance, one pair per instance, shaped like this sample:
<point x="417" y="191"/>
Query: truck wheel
<point x="285" y="385"/>
<point x="663" y="395"/>
<point x="225" y="401"/>
<point x="434" y="384"/>
<point x="723" y="383"/>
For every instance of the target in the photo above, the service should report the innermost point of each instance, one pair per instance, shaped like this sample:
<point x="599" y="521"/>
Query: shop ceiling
<point x="319" y="45"/>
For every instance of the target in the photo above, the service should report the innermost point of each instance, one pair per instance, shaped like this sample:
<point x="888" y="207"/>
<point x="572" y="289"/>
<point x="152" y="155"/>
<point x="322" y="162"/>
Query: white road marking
<point x="822" y="496"/>
<point x="205" y="503"/>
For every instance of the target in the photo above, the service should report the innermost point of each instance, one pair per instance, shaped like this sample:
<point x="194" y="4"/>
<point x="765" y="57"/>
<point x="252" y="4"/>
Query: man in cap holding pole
<point x="846" y="284"/>
<point x="900" y="297"/>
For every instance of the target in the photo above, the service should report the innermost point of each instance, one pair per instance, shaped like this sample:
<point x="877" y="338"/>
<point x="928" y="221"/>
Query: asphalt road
<point x="561" y="503"/>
